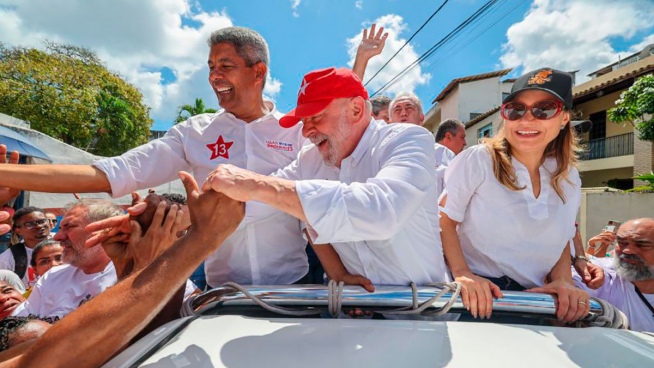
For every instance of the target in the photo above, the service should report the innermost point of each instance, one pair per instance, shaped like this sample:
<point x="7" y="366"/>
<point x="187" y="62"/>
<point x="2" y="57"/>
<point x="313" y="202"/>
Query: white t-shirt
<point x="378" y="209"/>
<point x="622" y="294"/>
<point x="267" y="247"/>
<point x="7" y="262"/>
<point x="63" y="289"/>
<point x="505" y="232"/>
<point x="443" y="158"/>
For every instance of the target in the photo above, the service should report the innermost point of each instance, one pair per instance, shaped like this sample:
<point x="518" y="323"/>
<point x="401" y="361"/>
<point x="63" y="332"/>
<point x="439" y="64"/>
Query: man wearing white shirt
<point x="86" y="273"/>
<point x="629" y="274"/>
<point x="450" y="141"/>
<point x="366" y="187"/>
<point x="268" y="247"/>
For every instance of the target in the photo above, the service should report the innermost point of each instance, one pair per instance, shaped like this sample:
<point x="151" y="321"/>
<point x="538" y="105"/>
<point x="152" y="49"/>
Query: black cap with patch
<point x="549" y="80"/>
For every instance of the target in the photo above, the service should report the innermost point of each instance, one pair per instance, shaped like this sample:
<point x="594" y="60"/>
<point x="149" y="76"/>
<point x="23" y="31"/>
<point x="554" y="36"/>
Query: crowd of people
<point x="378" y="198"/>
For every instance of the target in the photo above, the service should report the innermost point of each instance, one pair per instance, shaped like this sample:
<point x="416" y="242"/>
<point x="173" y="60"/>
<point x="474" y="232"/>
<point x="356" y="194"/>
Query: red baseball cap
<point x="319" y="88"/>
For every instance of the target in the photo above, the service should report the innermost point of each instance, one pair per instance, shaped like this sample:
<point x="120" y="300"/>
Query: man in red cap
<point x="366" y="187"/>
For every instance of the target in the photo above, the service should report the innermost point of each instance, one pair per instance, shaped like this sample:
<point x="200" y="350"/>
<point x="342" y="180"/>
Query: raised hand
<point x="213" y="214"/>
<point x="131" y="251"/>
<point x="6" y="193"/>
<point x="372" y="43"/>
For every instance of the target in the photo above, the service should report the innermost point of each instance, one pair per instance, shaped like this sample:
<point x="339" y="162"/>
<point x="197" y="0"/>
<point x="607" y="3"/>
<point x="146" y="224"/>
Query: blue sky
<point x="159" y="45"/>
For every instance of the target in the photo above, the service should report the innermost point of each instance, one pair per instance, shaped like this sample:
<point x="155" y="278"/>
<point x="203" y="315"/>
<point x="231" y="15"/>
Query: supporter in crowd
<point x="53" y="220"/>
<point x="380" y="106"/>
<point x="629" y="274"/>
<point x="100" y="328"/>
<point x="87" y="272"/>
<point x="364" y="186"/>
<point x="46" y="255"/>
<point x="406" y="108"/>
<point x="31" y="227"/>
<point x="450" y="141"/>
<point x="17" y="330"/>
<point x="511" y="202"/>
<point x="11" y="292"/>
<point x="451" y="134"/>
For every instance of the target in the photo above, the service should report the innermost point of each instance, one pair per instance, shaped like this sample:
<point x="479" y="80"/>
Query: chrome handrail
<point x="384" y="297"/>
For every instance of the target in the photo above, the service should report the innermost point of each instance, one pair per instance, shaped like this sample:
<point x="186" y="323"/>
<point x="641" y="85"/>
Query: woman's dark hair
<point x="37" y="249"/>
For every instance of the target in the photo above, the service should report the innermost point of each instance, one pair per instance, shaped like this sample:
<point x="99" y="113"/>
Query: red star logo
<point x="220" y="148"/>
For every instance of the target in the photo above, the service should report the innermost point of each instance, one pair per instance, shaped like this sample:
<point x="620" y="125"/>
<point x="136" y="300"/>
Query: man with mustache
<point x="364" y="186"/>
<point x="629" y="274"/>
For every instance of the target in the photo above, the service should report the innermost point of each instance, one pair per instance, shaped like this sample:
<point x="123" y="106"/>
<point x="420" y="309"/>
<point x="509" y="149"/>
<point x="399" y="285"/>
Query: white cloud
<point x="575" y="35"/>
<point x="294" y="6"/>
<point x="137" y="39"/>
<point x="358" y="4"/>
<point x="272" y="88"/>
<point x="394" y="25"/>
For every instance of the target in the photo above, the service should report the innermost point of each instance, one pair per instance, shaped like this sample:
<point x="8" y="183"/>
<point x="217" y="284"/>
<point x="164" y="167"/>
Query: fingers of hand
<point x="109" y="223"/>
<point x="191" y="186"/>
<point x="158" y="218"/>
<point x="137" y="209"/>
<point x="14" y="157"/>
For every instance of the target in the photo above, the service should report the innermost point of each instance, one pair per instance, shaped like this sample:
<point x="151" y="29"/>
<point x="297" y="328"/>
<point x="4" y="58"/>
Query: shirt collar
<point x="272" y="112"/>
<point x="363" y="144"/>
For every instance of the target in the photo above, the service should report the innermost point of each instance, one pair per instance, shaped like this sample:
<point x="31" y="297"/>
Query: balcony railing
<point x="619" y="145"/>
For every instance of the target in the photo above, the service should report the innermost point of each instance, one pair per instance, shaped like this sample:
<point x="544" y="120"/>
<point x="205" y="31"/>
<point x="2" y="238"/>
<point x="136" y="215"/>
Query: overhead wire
<point x="407" y="41"/>
<point x="480" y="12"/>
<point x="453" y="50"/>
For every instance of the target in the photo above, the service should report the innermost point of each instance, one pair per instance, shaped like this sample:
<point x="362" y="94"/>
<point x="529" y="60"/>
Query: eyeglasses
<point x="541" y="110"/>
<point x="32" y="224"/>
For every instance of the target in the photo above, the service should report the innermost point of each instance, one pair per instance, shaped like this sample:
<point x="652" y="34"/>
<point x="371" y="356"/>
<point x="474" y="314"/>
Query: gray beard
<point x="633" y="272"/>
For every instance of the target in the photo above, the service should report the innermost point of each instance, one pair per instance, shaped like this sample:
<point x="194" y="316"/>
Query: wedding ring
<point x="582" y="302"/>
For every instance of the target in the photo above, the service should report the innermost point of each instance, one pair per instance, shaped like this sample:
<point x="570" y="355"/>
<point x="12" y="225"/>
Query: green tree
<point x="66" y="92"/>
<point x="636" y="106"/>
<point x="186" y="111"/>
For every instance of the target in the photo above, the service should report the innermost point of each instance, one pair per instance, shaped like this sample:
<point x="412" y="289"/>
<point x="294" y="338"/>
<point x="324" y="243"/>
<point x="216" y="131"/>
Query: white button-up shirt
<point x="505" y="232"/>
<point x="267" y="247"/>
<point x="379" y="209"/>
<point x="443" y="158"/>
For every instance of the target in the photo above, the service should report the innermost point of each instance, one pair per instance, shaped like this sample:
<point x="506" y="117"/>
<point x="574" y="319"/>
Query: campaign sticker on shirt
<point x="220" y="148"/>
<point x="279" y="146"/>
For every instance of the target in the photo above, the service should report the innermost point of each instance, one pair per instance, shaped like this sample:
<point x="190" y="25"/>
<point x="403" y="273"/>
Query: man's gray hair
<point x="380" y="103"/>
<point x="97" y="209"/>
<point x="249" y="45"/>
<point x="451" y="126"/>
<point x="406" y="96"/>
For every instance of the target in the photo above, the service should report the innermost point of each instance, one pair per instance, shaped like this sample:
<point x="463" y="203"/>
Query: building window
<point x="598" y="129"/>
<point x="485" y="132"/>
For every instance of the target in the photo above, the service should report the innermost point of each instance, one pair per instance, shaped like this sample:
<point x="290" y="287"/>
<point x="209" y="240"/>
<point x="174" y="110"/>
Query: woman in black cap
<point x="515" y="198"/>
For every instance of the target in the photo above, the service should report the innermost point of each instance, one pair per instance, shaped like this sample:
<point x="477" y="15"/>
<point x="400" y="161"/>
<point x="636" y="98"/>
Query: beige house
<point x="613" y="153"/>
<point x="468" y="97"/>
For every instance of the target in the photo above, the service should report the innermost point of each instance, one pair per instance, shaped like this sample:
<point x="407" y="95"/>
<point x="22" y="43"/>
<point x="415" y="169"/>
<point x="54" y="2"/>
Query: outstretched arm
<point x="98" y="329"/>
<point x="49" y="178"/>
<point x="371" y="45"/>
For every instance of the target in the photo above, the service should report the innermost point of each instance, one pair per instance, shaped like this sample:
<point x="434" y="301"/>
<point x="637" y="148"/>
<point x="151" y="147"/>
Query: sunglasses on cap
<point x="32" y="224"/>
<point x="541" y="110"/>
